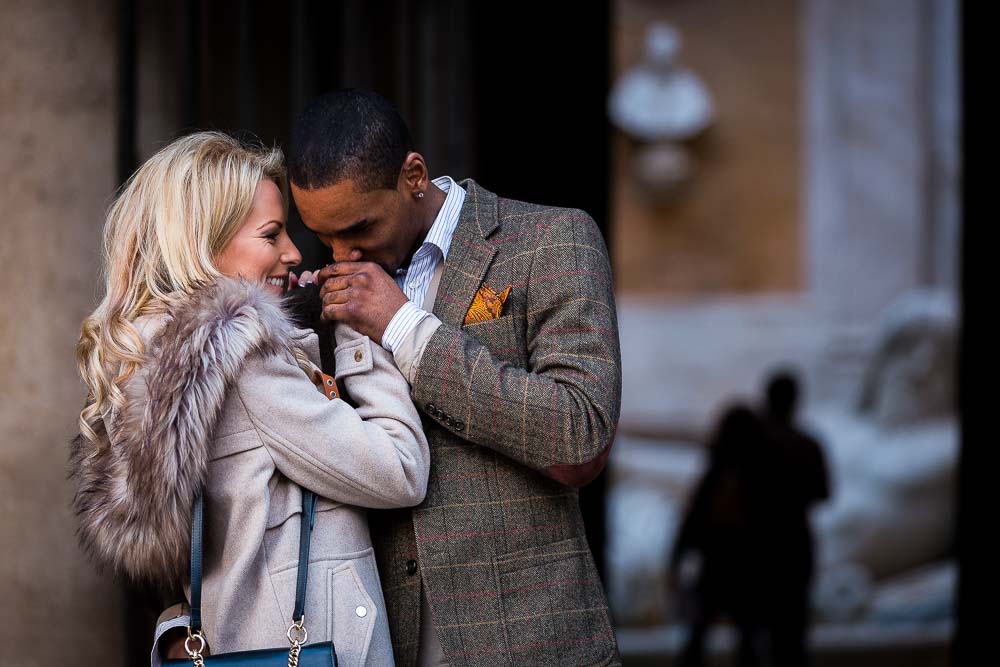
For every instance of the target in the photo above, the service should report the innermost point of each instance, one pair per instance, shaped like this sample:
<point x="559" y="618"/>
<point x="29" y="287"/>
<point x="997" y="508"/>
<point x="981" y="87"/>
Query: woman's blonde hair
<point x="161" y="237"/>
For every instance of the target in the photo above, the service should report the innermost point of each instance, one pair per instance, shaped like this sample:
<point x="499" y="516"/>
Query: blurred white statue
<point x="884" y="538"/>
<point x="657" y="100"/>
<point x="893" y="458"/>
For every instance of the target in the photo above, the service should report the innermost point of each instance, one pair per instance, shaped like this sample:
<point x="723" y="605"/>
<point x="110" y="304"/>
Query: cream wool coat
<point x="223" y="400"/>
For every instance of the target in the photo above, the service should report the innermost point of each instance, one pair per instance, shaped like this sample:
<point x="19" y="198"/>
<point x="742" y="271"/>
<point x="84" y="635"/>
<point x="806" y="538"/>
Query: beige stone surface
<point x="736" y="227"/>
<point x="57" y="174"/>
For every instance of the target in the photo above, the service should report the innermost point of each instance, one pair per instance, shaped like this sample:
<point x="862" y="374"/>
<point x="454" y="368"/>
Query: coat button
<point x="358" y="355"/>
<point x="411" y="567"/>
<point x="361" y="612"/>
<point x="460" y="426"/>
<point x="431" y="408"/>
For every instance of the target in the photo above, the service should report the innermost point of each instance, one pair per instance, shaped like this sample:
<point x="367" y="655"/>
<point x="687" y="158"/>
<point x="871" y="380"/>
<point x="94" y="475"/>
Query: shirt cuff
<point x="176" y="622"/>
<point x="402" y="323"/>
<point x="407" y="355"/>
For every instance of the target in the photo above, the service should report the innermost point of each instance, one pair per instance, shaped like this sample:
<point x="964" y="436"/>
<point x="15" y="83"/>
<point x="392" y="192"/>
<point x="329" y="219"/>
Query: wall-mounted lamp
<point x="661" y="105"/>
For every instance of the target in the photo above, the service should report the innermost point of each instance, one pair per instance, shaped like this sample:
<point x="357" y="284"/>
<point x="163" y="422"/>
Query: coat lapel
<point x="470" y="254"/>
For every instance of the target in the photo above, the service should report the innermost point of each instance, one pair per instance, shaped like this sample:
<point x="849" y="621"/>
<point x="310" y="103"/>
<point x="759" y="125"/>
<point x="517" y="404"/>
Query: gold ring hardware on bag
<point x="300" y="628"/>
<point x="300" y="638"/>
<point x="195" y="655"/>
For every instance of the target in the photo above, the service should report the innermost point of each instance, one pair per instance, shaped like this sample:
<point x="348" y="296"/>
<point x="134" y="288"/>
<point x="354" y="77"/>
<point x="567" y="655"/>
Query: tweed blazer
<point x="222" y="401"/>
<point x="518" y="411"/>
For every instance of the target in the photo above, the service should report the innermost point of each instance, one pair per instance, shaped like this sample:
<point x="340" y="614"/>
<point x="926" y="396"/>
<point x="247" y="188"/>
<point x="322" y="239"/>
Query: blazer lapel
<point x="469" y="256"/>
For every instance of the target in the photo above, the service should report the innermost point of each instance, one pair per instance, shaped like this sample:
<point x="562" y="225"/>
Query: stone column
<point x="881" y="165"/>
<point x="881" y="151"/>
<point x="57" y="175"/>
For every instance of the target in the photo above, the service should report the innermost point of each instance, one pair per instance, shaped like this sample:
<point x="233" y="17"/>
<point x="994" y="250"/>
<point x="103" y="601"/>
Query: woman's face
<point x="261" y="251"/>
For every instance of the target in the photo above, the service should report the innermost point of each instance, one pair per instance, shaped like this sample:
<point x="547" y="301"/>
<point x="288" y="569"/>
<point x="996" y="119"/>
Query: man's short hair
<point x="782" y="392"/>
<point x="348" y="134"/>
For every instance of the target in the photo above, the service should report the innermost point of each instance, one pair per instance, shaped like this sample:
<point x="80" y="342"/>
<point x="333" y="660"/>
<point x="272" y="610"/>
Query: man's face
<point x="378" y="226"/>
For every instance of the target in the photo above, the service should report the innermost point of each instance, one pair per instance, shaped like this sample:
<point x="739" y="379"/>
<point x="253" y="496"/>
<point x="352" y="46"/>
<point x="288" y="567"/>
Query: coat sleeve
<point x="375" y="455"/>
<point x="559" y="415"/>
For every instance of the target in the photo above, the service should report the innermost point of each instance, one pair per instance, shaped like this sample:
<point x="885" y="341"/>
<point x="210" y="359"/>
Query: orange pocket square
<point x="487" y="305"/>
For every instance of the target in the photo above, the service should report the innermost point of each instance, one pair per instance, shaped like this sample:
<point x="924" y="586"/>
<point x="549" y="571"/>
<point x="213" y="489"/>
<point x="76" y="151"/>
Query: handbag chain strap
<point x="297" y="633"/>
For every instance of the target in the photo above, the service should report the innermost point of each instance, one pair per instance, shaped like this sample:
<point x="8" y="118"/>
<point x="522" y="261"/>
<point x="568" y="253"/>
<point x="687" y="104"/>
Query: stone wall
<point x="708" y="304"/>
<point x="735" y="227"/>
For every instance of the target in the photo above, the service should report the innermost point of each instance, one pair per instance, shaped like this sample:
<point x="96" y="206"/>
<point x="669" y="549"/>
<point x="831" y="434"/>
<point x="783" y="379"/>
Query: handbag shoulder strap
<point x="305" y="533"/>
<point x="305" y="537"/>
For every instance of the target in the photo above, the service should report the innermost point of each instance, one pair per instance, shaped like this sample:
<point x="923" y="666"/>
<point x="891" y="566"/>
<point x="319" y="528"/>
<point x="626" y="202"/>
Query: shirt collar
<point x="446" y="221"/>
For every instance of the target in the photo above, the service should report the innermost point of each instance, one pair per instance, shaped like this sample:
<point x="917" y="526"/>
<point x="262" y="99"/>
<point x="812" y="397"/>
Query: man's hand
<point x="360" y="294"/>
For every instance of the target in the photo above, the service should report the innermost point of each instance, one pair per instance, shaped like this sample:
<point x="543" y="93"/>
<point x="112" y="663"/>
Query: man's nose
<point x="346" y="253"/>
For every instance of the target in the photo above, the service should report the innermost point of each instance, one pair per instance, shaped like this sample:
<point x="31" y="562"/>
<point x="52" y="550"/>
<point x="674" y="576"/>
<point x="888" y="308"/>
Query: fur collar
<point x="133" y="497"/>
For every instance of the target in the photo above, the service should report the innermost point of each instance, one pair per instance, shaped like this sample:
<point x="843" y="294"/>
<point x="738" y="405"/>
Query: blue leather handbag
<point x="321" y="654"/>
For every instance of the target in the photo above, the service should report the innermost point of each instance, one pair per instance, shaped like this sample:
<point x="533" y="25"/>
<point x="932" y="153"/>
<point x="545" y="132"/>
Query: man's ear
<point x="413" y="176"/>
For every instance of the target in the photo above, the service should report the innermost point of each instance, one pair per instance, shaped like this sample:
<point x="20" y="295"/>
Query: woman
<point x="196" y="378"/>
<point x="726" y="524"/>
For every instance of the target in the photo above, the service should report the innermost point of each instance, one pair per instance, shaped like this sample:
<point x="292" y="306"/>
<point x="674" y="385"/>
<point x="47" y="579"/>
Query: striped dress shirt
<point x="416" y="278"/>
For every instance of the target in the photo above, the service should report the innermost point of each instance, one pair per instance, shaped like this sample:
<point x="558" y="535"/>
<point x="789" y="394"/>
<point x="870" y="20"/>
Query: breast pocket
<point x="500" y="336"/>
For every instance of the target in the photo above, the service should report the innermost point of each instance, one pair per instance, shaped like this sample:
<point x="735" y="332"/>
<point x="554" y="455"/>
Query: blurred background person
<point x="724" y="525"/>
<point x="799" y="480"/>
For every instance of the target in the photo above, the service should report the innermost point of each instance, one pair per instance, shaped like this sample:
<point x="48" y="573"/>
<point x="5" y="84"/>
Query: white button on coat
<point x="361" y="612"/>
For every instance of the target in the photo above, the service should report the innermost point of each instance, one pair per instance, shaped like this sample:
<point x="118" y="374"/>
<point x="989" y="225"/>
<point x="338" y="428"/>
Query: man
<point x="501" y="315"/>
<point x="520" y="403"/>
<point x="800" y="481"/>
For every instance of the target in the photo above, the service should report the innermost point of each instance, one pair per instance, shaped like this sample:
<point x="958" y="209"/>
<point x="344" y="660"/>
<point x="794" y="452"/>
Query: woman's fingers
<point x="309" y="277"/>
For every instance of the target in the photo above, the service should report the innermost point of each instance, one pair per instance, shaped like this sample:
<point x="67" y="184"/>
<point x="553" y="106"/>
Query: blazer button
<point x="460" y="426"/>
<point x="411" y="567"/>
<point x="431" y="408"/>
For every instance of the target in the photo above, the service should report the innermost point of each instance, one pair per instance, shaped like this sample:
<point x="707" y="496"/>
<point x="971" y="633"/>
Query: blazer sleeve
<point x="559" y="415"/>
<point x="375" y="455"/>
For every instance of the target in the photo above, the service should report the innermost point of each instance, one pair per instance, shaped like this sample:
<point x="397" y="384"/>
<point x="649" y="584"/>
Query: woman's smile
<point x="277" y="284"/>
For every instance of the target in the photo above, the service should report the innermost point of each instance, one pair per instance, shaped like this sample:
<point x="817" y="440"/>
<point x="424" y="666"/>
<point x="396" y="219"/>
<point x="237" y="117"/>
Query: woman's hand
<point x="303" y="279"/>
